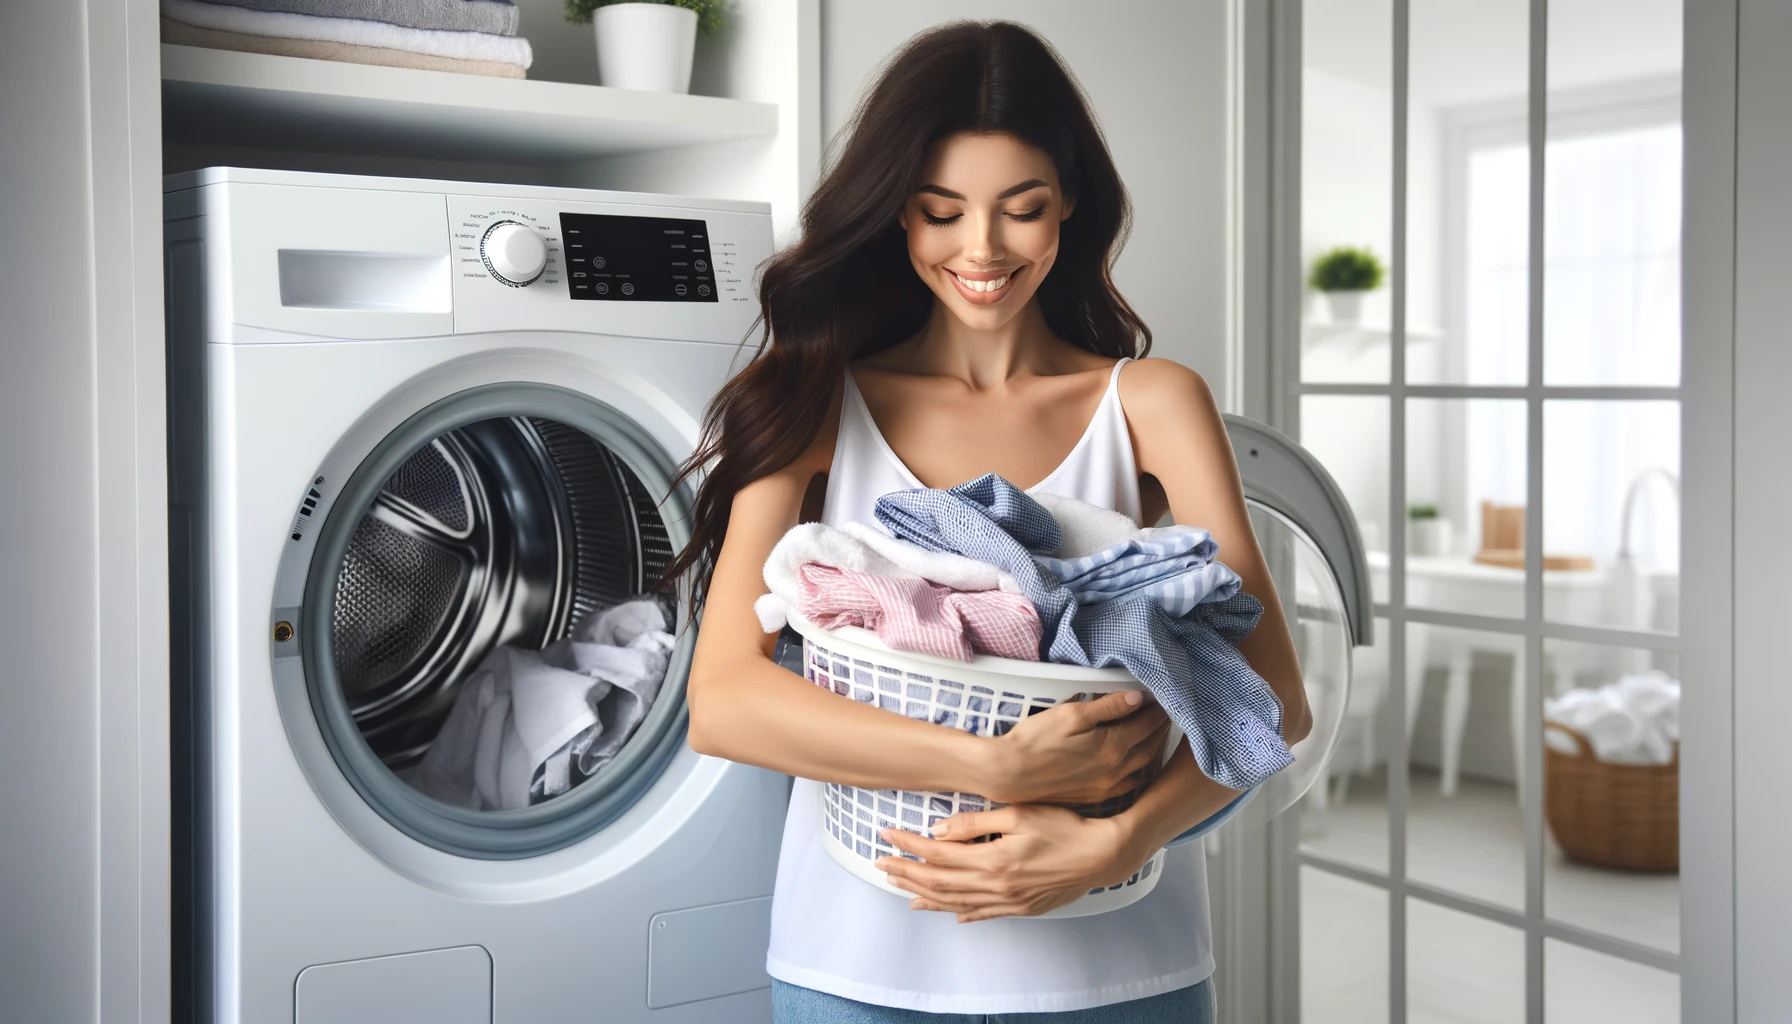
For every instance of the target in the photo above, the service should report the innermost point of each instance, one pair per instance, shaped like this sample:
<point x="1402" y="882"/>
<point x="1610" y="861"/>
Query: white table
<point x="1462" y="585"/>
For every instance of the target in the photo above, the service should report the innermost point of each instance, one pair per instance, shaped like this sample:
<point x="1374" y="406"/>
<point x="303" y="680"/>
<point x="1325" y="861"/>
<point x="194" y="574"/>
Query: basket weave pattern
<point x="855" y="816"/>
<point x="1614" y="815"/>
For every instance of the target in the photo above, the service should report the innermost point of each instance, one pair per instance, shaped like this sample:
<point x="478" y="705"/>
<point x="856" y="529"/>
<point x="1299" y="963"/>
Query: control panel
<point x="636" y="269"/>
<point x="616" y="258"/>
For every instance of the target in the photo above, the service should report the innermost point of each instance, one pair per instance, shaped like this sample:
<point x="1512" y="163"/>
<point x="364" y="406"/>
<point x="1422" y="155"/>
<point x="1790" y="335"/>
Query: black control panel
<point x="637" y="259"/>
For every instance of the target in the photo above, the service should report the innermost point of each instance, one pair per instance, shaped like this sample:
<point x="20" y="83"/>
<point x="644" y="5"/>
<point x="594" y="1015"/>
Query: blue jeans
<point x="793" y="1004"/>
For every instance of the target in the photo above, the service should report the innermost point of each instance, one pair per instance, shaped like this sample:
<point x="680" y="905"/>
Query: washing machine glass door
<point x="484" y="649"/>
<point x="1309" y="538"/>
<point x="1313" y="602"/>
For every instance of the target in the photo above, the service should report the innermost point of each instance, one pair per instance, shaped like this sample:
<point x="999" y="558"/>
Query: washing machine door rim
<point x="1284" y="477"/>
<point x="585" y="809"/>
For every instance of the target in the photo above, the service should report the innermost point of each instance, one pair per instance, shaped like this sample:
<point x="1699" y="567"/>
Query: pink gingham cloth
<point x="919" y="616"/>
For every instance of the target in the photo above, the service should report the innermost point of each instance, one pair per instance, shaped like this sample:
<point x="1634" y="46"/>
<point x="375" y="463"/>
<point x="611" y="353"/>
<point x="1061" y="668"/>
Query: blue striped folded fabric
<point x="1174" y="565"/>
<point x="1189" y="662"/>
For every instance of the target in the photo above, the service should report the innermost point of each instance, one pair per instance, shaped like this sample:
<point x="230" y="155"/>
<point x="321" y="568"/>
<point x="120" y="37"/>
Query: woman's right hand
<point x="1082" y="752"/>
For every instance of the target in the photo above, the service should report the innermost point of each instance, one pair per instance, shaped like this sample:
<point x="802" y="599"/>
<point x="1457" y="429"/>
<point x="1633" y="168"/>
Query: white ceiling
<point x="1471" y="51"/>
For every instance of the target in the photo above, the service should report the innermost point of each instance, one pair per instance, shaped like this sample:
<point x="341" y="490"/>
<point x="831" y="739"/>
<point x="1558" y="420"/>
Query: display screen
<point x="637" y="259"/>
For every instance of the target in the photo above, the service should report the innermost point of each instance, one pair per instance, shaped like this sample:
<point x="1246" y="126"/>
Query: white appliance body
<point x="311" y="318"/>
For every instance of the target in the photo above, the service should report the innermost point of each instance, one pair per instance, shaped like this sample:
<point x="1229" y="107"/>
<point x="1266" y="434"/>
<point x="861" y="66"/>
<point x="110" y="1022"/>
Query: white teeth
<point x="985" y="286"/>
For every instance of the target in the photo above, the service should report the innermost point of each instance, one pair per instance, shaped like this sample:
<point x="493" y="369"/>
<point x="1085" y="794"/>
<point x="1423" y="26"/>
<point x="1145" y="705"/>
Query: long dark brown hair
<point x="846" y="288"/>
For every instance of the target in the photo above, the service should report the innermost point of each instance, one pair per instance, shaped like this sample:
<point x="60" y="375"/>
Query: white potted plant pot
<point x="645" y="46"/>
<point x="1346" y="307"/>
<point x="1428" y="538"/>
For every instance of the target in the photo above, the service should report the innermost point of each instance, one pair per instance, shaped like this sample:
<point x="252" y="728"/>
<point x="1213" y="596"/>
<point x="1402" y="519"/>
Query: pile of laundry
<point x="1635" y="720"/>
<point x="474" y="37"/>
<point x="529" y="725"/>
<point x="985" y="568"/>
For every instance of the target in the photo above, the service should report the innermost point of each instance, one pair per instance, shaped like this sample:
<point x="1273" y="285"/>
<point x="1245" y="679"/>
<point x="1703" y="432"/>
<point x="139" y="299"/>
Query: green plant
<point x="709" y="12"/>
<point x="1421" y="511"/>
<point x="1344" y="269"/>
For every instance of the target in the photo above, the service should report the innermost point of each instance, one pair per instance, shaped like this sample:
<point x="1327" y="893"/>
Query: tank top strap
<point x="1101" y="469"/>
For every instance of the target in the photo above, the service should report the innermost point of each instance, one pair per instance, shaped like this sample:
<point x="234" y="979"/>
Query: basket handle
<point x="1580" y="738"/>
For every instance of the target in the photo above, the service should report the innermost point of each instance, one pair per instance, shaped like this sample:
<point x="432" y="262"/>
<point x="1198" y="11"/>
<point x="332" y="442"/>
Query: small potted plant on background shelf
<point x="1343" y="275"/>
<point x="1427" y="533"/>
<point x="646" y="45"/>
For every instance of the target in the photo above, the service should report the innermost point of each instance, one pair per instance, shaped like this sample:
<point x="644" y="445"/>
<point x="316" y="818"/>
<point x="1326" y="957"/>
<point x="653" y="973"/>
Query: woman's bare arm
<point x="1181" y="440"/>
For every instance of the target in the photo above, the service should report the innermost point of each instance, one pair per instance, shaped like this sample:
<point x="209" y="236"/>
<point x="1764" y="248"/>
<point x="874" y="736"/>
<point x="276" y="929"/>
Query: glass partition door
<point x="1488" y="362"/>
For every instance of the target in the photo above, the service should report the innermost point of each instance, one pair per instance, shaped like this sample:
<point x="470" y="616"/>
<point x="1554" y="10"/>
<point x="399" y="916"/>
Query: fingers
<point x="952" y="885"/>
<point x="1148" y="751"/>
<point x="967" y="825"/>
<point x="1106" y="709"/>
<point x="935" y="851"/>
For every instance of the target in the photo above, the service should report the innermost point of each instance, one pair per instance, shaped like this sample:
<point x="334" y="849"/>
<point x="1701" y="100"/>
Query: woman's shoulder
<point x="1154" y="388"/>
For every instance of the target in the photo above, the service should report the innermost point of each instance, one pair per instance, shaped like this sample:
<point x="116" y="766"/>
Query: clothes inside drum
<point x="494" y="628"/>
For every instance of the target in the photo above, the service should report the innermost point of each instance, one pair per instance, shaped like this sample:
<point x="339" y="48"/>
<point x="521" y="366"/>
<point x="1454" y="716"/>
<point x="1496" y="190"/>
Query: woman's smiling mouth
<point x="983" y="286"/>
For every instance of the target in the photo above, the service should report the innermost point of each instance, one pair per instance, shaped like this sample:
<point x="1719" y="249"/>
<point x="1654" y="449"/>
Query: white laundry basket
<point x="986" y="696"/>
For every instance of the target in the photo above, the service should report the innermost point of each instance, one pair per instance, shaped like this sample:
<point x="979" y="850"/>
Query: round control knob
<point x="513" y="252"/>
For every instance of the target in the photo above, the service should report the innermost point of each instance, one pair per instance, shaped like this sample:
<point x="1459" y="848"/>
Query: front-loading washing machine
<point x="412" y="423"/>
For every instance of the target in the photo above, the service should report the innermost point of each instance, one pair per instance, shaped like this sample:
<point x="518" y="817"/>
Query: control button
<point x="603" y="287"/>
<point x="628" y="288"/>
<point x="703" y="289"/>
<point x="701" y="266"/>
<point x="514" y="253"/>
<point x="598" y="263"/>
<point x="679" y="289"/>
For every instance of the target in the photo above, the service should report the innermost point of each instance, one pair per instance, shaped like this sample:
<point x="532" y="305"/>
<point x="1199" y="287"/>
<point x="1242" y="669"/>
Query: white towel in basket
<point x="864" y="549"/>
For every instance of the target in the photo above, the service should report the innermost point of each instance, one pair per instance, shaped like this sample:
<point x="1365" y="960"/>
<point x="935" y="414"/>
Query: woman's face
<point x="983" y="225"/>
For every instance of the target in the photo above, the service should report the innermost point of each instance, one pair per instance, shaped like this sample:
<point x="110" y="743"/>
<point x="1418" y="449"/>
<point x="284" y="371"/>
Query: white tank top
<point x="836" y="934"/>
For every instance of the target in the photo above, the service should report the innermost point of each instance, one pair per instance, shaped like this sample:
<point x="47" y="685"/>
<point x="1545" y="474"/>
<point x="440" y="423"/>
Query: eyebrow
<point x="1007" y="193"/>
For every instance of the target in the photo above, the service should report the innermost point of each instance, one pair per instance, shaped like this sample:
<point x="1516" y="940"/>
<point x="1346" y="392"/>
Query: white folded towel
<point x="1087" y="528"/>
<point x="865" y="549"/>
<point x="1635" y="720"/>
<point x="525" y="720"/>
<point x="352" y="31"/>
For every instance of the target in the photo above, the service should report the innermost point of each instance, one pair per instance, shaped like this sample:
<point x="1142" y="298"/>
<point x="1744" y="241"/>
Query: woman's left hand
<point x="1044" y="857"/>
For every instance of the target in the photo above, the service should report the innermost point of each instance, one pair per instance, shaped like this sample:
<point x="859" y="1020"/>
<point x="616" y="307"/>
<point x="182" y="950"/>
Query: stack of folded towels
<point x="475" y="37"/>
<point x="986" y="568"/>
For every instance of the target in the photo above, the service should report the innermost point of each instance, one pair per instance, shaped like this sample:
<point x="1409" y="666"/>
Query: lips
<point x="983" y="287"/>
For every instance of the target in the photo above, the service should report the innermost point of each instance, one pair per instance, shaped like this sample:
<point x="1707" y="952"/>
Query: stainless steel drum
<point x="506" y="531"/>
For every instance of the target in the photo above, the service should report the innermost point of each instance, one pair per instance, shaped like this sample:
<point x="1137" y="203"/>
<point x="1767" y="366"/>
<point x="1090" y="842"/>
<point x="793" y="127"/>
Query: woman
<point x="949" y="312"/>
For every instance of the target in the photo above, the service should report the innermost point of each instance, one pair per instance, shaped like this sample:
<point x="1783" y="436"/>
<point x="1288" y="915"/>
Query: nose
<point x="985" y="242"/>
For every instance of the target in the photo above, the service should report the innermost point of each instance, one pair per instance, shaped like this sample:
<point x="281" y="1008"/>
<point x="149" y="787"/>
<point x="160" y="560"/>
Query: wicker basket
<point x="986" y="697"/>
<point x="1613" y="815"/>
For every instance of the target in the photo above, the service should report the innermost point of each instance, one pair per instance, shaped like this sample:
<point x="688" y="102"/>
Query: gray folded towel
<point x="496" y="17"/>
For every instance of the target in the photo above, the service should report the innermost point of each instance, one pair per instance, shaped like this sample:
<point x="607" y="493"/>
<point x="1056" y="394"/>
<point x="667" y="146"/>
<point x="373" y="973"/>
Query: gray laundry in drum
<point x="529" y="725"/>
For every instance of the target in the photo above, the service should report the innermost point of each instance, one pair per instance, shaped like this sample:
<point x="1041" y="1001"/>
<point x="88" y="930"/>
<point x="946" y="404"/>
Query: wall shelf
<point x="215" y="97"/>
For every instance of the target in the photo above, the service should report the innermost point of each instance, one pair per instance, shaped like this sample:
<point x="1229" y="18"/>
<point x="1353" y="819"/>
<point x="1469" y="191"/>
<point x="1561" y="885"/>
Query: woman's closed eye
<point x="1022" y="218"/>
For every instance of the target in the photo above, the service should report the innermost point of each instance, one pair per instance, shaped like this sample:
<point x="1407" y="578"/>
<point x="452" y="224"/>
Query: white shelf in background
<point x="213" y="97"/>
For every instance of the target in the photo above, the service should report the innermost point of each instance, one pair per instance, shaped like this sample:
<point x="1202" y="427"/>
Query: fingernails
<point x="939" y="829"/>
<point x="1134" y="697"/>
<point x="886" y="834"/>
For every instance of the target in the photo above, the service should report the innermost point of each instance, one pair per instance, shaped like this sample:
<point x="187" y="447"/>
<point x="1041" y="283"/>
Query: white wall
<point x="1761" y="556"/>
<point x="84" y="733"/>
<point x="1155" y="73"/>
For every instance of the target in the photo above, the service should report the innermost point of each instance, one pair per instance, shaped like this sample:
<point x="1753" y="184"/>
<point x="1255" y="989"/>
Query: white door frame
<point x="1738" y="484"/>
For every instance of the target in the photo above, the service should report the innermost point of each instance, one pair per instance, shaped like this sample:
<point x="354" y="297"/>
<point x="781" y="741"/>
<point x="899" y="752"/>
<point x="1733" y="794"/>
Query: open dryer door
<point x="1315" y="555"/>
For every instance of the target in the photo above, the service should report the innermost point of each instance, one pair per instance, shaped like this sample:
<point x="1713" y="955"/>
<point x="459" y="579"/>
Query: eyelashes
<point x="1019" y="218"/>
